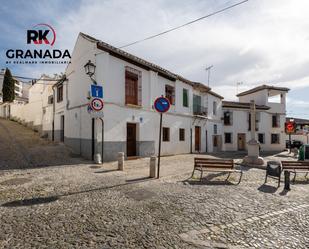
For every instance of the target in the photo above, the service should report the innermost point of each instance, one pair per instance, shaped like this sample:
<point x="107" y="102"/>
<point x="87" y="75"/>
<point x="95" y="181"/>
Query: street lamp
<point x="90" y="70"/>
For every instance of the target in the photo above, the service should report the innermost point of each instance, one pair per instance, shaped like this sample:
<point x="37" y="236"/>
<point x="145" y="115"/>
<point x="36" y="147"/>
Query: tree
<point x="8" y="87"/>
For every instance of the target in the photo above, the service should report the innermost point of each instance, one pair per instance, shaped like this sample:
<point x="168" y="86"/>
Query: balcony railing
<point x="200" y="110"/>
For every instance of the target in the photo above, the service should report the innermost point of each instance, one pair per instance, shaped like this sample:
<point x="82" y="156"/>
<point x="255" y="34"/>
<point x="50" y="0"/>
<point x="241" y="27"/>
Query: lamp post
<point x="90" y="70"/>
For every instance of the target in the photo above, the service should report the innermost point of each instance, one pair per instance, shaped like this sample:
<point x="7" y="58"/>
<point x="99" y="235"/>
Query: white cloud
<point x="259" y="42"/>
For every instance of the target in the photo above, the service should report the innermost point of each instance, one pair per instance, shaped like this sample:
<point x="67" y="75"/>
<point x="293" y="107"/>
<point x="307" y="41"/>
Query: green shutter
<point x="185" y="97"/>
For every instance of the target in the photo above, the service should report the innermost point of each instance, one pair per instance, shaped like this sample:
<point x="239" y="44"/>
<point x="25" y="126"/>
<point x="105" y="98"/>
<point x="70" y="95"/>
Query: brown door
<point x="216" y="143"/>
<point x="197" y="138"/>
<point x="131" y="139"/>
<point x="241" y="141"/>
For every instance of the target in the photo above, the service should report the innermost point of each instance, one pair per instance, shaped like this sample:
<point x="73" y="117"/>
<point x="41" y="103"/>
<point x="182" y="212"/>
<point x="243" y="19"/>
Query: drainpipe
<point x="53" y="122"/>
<point x="102" y="158"/>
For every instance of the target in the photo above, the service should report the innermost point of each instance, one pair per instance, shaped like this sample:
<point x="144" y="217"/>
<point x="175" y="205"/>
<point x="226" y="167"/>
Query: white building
<point x="35" y="111"/>
<point x="271" y="112"/>
<point x="131" y="124"/>
<point x="302" y="130"/>
<point x="198" y="120"/>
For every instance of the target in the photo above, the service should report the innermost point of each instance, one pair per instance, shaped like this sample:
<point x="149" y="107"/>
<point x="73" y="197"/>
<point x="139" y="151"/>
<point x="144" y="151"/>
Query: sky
<point x="258" y="42"/>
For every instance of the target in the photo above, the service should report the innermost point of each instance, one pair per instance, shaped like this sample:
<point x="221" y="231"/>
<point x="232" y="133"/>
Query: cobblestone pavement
<point x="86" y="206"/>
<point x="22" y="148"/>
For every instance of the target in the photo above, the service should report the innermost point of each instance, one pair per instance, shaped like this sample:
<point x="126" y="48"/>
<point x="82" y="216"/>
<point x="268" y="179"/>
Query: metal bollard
<point x="287" y="180"/>
<point x="120" y="161"/>
<point x="152" y="168"/>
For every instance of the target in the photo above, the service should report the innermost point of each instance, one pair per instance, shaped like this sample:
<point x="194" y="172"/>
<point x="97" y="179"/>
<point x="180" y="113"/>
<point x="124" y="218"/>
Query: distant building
<point x="302" y="130"/>
<point x="270" y="119"/>
<point x="20" y="88"/>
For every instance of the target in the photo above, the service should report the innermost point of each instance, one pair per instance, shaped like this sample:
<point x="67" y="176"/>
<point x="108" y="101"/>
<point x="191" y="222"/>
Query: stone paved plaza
<point x="86" y="206"/>
<point x="75" y="204"/>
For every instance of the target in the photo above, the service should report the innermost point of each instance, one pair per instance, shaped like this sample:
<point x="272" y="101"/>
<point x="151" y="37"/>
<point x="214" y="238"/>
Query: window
<point x="215" y="129"/>
<point x="131" y="85"/>
<point x="228" y="138"/>
<point x="170" y="94"/>
<point x="50" y="99"/>
<point x="60" y="93"/>
<point x="166" y="134"/>
<point x="197" y="100"/>
<point x="181" y="134"/>
<point x="275" y="138"/>
<point x="275" y="121"/>
<point x="227" y="117"/>
<point x="185" y="96"/>
<point x="214" y="107"/>
<point x="261" y="138"/>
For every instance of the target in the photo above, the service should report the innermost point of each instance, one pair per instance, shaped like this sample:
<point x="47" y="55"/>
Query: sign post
<point x="162" y="105"/>
<point x="290" y="128"/>
<point x="95" y="109"/>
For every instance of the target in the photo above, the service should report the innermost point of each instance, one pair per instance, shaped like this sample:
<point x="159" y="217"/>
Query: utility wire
<point x="33" y="79"/>
<point x="183" y="25"/>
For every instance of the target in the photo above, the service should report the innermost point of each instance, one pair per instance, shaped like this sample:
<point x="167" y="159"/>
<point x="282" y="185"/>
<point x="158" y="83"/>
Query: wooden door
<point x="131" y="139"/>
<point x="197" y="138"/>
<point x="241" y="141"/>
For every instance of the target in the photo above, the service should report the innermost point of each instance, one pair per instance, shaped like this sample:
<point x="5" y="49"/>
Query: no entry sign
<point x="162" y="104"/>
<point x="97" y="104"/>
<point x="290" y="127"/>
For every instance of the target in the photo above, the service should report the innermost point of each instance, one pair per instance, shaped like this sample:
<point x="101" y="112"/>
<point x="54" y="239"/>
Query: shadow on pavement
<point x="43" y="200"/>
<point x="141" y="179"/>
<point x="267" y="189"/>
<point x="30" y="202"/>
<point x="106" y="171"/>
<point x="208" y="180"/>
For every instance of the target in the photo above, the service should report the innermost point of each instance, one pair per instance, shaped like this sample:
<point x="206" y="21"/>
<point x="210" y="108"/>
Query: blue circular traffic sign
<point x="162" y="104"/>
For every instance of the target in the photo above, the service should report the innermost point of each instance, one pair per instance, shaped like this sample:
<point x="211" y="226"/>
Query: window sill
<point x="134" y="106"/>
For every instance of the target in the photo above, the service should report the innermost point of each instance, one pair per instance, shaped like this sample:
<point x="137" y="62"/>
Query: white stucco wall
<point x="110" y="73"/>
<point x="240" y="125"/>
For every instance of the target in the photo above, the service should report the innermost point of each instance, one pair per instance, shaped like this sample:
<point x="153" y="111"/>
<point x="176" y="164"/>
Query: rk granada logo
<point x="44" y="35"/>
<point x="41" y="34"/>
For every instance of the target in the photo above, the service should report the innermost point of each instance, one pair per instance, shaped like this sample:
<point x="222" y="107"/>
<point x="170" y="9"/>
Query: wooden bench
<point x="215" y="165"/>
<point x="296" y="167"/>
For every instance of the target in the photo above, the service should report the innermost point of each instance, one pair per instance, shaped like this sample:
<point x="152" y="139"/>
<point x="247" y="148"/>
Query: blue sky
<point x="259" y="42"/>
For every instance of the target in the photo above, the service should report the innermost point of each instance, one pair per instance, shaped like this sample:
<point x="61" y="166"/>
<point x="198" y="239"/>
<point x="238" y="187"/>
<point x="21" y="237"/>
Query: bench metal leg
<point x="228" y="177"/>
<point x="306" y="175"/>
<point x="240" y="177"/>
<point x="201" y="177"/>
<point x="294" y="177"/>
<point x="193" y="173"/>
